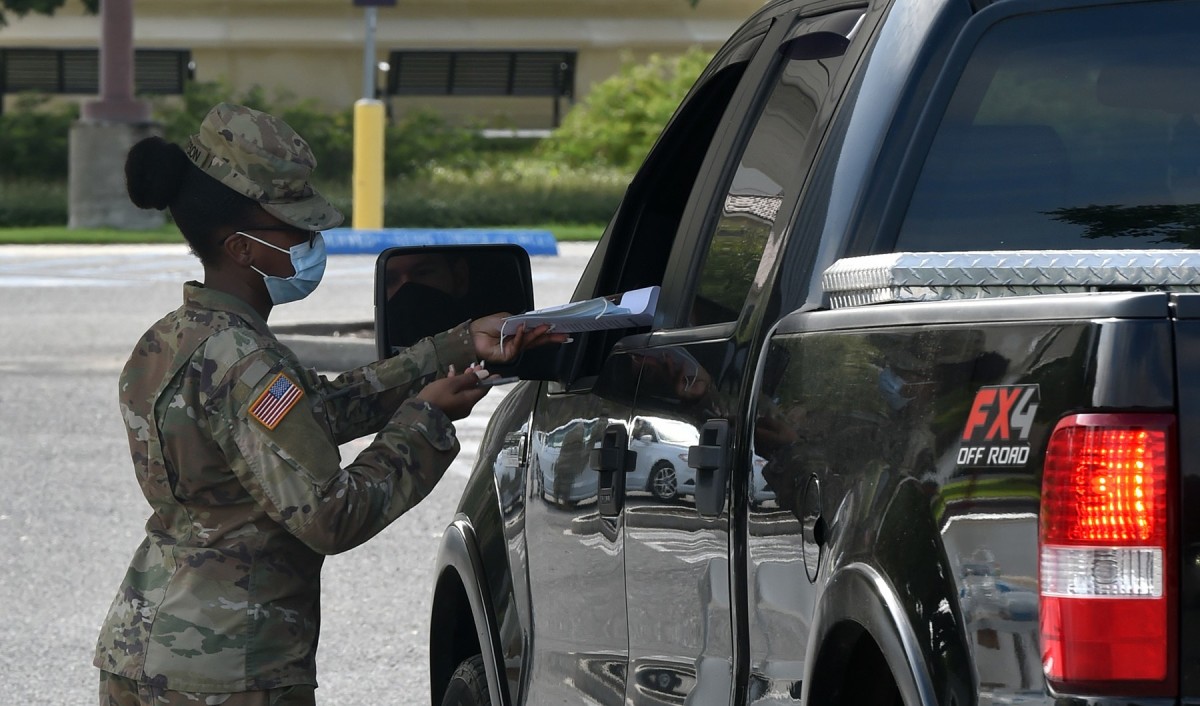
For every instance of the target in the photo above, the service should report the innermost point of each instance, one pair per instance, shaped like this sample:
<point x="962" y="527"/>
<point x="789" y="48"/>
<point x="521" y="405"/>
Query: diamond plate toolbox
<point x="933" y="276"/>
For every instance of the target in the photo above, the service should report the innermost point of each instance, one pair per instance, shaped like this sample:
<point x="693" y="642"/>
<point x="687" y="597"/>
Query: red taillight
<point x="1106" y="605"/>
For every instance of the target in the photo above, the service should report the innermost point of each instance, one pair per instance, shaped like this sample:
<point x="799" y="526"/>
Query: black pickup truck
<point x="917" y="419"/>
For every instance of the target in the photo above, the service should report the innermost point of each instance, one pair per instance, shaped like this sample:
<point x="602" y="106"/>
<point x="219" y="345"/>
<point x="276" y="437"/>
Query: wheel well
<point x="851" y="669"/>
<point x="452" y="635"/>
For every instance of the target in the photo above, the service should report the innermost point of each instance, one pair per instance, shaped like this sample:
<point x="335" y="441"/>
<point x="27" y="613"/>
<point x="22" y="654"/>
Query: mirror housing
<point x="425" y="290"/>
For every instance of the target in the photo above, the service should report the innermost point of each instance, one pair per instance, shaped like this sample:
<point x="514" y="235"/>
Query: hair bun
<point x="154" y="171"/>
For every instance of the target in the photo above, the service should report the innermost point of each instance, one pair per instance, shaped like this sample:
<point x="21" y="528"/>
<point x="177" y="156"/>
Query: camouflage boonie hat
<point x="262" y="157"/>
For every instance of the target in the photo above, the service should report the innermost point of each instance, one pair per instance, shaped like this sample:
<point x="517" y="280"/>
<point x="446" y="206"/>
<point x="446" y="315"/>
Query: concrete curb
<point x="329" y="347"/>
<point x="328" y="354"/>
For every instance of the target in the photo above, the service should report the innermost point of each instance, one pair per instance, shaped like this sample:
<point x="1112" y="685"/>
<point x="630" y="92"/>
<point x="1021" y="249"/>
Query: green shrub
<point x="330" y="135"/>
<point x="439" y="175"/>
<point x="412" y="144"/>
<point x="33" y="203"/>
<point x="517" y="193"/>
<point x="421" y="139"/>
<point x="180" y="116"/>
<point x="34" y="138"/>
<point x="622" y="116"/>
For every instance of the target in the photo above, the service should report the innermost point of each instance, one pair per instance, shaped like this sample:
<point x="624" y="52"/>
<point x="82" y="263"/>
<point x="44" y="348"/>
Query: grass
<point x="574" y="233"/>
<point x="48" y="235"/>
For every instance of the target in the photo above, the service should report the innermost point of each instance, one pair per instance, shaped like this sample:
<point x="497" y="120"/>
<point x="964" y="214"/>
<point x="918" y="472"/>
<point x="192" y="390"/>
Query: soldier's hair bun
<point x="154" y="172"/>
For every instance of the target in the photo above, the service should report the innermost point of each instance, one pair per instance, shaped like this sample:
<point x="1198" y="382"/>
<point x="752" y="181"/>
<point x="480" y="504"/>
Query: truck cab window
<point x="639" y="239"/>
<point x="1070" y="132"/>
<point x="654" y="205"/>
<point x="768" y="175"/>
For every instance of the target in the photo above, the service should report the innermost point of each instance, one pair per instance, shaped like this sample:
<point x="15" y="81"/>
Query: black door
<point x="689" y="414"/>
<point x="581" y="426"/>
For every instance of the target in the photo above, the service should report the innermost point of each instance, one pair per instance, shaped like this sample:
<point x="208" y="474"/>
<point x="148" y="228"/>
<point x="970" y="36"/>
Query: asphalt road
<point x="71" y="513"/>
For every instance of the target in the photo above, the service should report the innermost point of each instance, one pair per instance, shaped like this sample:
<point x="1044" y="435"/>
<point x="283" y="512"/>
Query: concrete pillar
<point x="108" y="127"/>
<point x="116" y="102"/>
<point x="96" y="180"/>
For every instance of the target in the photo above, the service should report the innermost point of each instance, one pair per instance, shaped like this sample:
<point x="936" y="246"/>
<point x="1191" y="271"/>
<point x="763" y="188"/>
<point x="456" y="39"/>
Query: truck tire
<point x="880" y="689"/>
<point x="468" y="685"/>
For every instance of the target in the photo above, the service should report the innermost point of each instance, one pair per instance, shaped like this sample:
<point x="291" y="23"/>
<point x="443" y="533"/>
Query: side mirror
<point x="424" y="290"/>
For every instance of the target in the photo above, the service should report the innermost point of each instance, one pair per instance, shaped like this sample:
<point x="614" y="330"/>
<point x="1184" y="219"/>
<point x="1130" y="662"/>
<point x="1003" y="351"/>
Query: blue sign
<point x="350" y="241"/>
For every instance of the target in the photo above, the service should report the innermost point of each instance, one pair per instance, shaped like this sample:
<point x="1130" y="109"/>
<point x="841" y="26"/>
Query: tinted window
<point x="649" y="216"/>
<point x="770" y="170"/>
<point x="1069" y="130"/>
<point x="635" y="251"/>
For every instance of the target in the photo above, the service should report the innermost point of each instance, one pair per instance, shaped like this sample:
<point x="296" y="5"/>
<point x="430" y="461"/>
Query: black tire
<point x="663" y="483"/>
<point x="870" y="680"/>
<point x="468" y="685"/>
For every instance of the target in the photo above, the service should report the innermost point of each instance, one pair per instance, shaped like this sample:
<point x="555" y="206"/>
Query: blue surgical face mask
<point x="308" y="261"/>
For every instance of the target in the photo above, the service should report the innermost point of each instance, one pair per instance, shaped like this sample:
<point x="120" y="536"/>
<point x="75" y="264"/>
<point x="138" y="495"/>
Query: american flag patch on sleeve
<point x="276" y="401"/>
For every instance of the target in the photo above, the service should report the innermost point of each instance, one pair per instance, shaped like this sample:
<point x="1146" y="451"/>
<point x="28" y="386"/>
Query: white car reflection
<point x="563" y="472"/>
<point x="661" y="446"/>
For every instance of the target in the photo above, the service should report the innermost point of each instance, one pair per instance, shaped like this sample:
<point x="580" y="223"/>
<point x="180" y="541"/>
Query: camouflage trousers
<point x="116" y="690"/>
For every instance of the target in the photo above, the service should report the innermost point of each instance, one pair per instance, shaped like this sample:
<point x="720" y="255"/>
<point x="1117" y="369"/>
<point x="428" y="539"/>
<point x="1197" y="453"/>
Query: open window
<point x="772" y="166"/>
<point x="644" y="229"/>
<point x="642" y="233"/>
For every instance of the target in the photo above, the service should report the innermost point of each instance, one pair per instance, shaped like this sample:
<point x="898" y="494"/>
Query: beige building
<point x="514" y="63"/>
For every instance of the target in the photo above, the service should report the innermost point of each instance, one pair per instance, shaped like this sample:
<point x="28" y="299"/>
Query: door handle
<point x="613" y="454"/>
<point x="710" y="460"/>
<point x="612" y="459"/>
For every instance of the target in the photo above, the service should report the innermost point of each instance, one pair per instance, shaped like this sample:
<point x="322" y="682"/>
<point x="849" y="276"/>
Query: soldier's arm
<point x="281" y="448"/>
<point x="361" y="401"/>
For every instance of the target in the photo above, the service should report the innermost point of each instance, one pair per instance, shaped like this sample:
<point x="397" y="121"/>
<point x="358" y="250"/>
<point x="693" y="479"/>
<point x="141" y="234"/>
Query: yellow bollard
<point x="369" y="118"/>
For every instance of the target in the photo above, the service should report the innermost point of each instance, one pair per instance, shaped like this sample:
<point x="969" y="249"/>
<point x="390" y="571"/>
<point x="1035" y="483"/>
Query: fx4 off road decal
<point x="998" y="426"/>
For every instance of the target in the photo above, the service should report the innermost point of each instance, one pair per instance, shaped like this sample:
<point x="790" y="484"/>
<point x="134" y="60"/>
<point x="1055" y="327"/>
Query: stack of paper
<point x="629" y="310"/>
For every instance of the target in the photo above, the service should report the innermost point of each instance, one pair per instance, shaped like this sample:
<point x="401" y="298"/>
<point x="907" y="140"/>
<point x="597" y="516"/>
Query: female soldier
<point x="235" y="445"/>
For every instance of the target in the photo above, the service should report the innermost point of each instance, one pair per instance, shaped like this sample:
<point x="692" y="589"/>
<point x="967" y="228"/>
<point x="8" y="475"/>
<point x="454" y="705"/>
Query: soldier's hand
<point x="456" y="394"/>
<point x="485" y="334"/>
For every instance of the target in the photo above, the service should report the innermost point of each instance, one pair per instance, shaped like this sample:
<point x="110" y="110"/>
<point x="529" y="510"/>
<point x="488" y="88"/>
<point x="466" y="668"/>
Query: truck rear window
<point x="1069" y="130"/>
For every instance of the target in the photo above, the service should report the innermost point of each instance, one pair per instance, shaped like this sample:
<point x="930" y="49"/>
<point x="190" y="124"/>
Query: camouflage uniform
<point x="119" y="691"/>
<point x="235" y="446"/>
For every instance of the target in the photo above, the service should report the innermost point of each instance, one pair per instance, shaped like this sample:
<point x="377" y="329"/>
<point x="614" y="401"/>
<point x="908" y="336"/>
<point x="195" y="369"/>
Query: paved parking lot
<point x="71" y="513"/>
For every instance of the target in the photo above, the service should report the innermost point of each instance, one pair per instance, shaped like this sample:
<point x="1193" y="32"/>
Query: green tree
<point x="20" y="8"/>
<point x="623" y="115"/>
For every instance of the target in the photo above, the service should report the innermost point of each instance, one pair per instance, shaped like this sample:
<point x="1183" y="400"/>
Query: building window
<point x="77" y="71"/>
<point x="482" y="73"/>
<point x="544" y="74"/>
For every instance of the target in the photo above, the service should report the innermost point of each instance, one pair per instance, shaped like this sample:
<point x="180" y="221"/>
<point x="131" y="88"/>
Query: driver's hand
<point x="456" y="394"/>
<point x="485" y="334"/>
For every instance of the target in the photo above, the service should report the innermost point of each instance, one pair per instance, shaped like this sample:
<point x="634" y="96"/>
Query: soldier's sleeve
<point x="273" y="430"/>
<point x="361" y="401"/>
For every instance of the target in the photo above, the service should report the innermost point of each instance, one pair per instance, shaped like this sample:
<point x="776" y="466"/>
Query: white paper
<point x="631" y="309"/>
